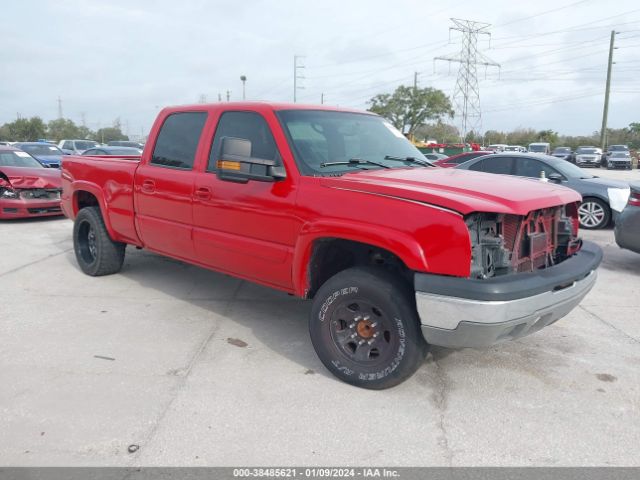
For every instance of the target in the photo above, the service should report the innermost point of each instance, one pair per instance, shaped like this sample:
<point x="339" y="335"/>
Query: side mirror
<point x="555" y="178"/>
<point x="237" y="165"/>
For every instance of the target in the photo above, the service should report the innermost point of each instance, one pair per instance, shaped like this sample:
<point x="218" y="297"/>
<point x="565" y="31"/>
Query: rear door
<point x="246" y="229"/>
<point x="164" y="186"/>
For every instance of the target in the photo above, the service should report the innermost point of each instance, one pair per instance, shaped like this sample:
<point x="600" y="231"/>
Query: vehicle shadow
<point x="277" y="320"/>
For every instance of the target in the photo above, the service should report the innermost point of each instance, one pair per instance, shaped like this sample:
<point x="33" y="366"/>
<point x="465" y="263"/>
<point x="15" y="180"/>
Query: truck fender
<point x="402" y="245"/>
<point x="96" y="191"/>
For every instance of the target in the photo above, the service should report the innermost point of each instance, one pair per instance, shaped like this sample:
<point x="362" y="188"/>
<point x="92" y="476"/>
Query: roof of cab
<point x="259" y="106"/>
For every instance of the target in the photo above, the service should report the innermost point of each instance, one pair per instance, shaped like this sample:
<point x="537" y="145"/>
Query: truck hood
<point x="20" y="177"/>
<point x="459" y="190"/>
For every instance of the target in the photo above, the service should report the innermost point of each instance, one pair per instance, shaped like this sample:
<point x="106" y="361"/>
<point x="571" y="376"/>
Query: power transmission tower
<point x="297" y="76"/>
<point x="59" y="107"/>
<point x="466" y="95"/>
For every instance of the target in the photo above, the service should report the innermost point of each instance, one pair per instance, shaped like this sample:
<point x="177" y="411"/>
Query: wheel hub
<point x="365" y="328"/>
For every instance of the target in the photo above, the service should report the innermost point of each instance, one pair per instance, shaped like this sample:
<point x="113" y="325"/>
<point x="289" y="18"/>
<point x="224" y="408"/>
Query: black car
<point x="628" y="222"/>
<point x="602" y="199"/>
<point x="565" y="153"/>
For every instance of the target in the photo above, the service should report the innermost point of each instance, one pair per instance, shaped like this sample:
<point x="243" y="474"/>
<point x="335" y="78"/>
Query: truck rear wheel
<point x="95" y="252"/>
<point x="365" y="328"/>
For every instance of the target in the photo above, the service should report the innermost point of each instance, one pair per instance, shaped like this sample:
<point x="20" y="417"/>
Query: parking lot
<point x="168" y="364"/>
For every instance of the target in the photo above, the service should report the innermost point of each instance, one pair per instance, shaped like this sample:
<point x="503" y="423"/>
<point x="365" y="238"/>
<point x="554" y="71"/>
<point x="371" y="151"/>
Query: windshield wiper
<point x="410" y="160"/>
<point x="354" y="162"/>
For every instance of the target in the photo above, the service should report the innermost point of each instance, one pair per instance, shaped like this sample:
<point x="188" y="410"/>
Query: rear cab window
<point x="178" y="140"/>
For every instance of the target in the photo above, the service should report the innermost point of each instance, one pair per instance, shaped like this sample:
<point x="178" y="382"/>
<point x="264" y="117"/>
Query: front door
<point x="246" y="229"/>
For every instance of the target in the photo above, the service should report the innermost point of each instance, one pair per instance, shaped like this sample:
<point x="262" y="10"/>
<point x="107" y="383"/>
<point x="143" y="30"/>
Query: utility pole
<point x="607" y="90"/>
<point x="415" y="81"/>
<point x="59" y="107"/>
<point x="83" y="116"/>
<point x="322" y="98"/>
<point x="228" y="95"/>
<point x="243" y="79"/>
<point x="466" y="95"/>
<point x="219" y="97"/>
<point x="297" y="76"/>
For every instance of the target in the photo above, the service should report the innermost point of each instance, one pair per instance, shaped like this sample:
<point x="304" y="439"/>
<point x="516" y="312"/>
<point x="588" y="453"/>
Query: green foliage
<point x="108" y="134"/>
<point x="23" y="130"/>
<point x="548" y="136"/>
<point x="66" y="128"/>
<point x="439" y="131"/>
<point x="408" y="107"/>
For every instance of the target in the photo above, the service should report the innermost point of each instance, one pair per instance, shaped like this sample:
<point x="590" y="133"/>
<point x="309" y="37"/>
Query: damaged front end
<point x="502" y="244"/>
<point x="16" y="202"/>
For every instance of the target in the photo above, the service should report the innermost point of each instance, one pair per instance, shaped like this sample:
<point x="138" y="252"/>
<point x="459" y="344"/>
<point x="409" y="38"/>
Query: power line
<point x="541" y="13"/>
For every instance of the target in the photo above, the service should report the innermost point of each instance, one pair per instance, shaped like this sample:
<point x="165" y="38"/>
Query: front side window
<point x="321" y="137"/>
<point x="178" y="140"/>
<point x="529" y="167"/>
<point x="247" y="126"/>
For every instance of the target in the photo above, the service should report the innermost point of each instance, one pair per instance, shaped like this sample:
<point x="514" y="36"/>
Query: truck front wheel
<point x="95" y="252"/>
<point x="365" y="328"/>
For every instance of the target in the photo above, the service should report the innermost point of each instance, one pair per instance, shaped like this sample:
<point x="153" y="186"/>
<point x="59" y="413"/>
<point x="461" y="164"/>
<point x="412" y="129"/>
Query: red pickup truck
<point x="337" y="206"/>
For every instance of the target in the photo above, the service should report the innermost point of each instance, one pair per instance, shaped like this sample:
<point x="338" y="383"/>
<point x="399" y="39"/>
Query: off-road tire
<point x="97" y="254"/>
<point x="365" y="328"/>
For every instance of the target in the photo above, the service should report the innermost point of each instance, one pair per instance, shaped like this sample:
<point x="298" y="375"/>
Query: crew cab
<point x="339" y="207"/>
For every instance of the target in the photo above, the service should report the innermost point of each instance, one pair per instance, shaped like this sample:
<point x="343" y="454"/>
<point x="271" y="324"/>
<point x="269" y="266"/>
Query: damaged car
<point x="27" y="189"/>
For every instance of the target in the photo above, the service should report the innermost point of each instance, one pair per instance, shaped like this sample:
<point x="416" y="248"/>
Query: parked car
<point x="116" y="151"/>
<point x="435" y="156"/>
<point x="395" y="253"/>
<point x="619" y="150"/>
<point x="618" y="160"/>
<point x="76" y="147"/>
<point x="627" y="229"/>
<point x="588" y="157"/>
<point x="540" y="147"/>
<point x="27" y="189"/>
<point x="454" y="160"/>
<point x="564" y="153"/>
<point x="602" y="199"/>
<point x="497" y="147"/>
<point x="125" y="143"/>
<point x="48" y="155"/>
<point x="514" y="148"/>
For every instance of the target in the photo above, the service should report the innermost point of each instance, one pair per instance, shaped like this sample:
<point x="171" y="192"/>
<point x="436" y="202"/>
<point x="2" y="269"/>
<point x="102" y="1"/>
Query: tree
<point x="407" y="107"/>
<point x="23" y="130"/>
<point x="439" y="131"/>
<point x="548" y="136"/>
<point x="104" y="135"/>
<point x="66" y="128"/>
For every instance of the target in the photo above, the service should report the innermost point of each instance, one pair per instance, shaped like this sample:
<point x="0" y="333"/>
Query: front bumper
<point x="458" y="312"/>
<point x="20" y="208"/>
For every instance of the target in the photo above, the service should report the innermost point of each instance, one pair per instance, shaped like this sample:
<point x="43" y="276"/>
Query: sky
<point x="127" y="59"/>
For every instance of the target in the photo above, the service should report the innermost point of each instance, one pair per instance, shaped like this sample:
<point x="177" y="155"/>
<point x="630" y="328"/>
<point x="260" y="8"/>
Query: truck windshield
<point x="320" y="137"/>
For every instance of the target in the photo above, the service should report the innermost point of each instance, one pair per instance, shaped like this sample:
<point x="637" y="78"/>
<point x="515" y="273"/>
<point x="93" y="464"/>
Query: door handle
<point x="203" y="193"/>
<point x="148" y="186"/>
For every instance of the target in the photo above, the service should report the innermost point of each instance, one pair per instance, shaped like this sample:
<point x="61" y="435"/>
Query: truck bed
<point x="114" y="177"/>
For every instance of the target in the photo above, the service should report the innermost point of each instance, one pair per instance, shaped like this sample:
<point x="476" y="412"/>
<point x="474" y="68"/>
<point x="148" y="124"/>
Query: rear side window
<point x="494" y="165"/>
<point x="247" y="126"/>
<point x="178" y="140"/>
